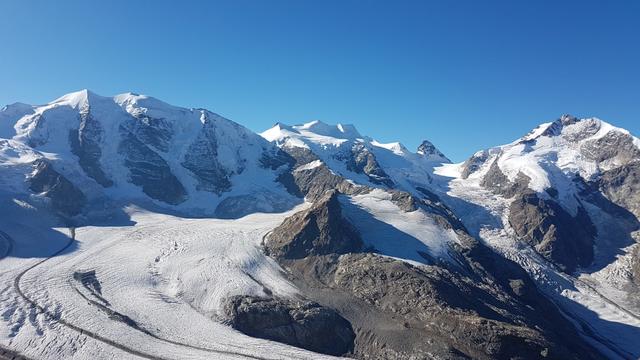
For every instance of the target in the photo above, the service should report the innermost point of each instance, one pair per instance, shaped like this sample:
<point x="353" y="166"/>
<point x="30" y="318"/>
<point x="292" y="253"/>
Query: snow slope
<point x="410" y="236"/>
<point x="165" y="273"/>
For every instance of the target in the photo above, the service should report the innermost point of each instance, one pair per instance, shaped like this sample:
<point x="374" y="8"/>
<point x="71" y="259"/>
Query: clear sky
<point x="464" y="74"/>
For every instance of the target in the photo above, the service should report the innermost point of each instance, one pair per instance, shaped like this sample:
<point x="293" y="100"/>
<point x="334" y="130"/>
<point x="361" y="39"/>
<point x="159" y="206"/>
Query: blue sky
<point x="464" y="74"/>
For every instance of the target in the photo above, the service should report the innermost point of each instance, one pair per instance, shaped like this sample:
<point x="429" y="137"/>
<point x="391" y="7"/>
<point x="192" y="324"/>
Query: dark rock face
<point x="429" y="150"/>
<point x="301" y="156"/>
<point x="474" y="163"/>
<point x="614" y="145"/>
<point x="362" y="161"/>
<point x="496" y="181"/>
<point x="565" y="240"/>
<point x="315" y="182"/>
<point x="405" y="201"/>
<point x="400" y="311"/>
<point x="150" y="171"/>
<point x="276" y="158"/>
<point x="155" y="132"/>
<point x="85" y="144"/>
<point x="622" y="186"/>
<point x="38" y="138"/>
<point x="319" y="230"/>
<point x="299" y="323"/>
<point x="556" y="127"/>
<point x="66" y="198"/>
<point x="201" y="160"/>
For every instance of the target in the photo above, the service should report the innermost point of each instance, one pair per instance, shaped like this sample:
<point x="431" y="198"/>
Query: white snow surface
<point x="410" y="236"/>
<point x="168" y="274"/>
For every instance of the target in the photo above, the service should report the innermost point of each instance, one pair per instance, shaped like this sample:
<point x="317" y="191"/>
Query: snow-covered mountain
<point x="562" y="201"/>
<point x="360" y="158"/>
<point x="136" y="147"/>
<point x="312" y="237"/>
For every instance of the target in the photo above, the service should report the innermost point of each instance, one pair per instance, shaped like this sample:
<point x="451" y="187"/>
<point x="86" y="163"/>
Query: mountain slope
<point x="133" y="146"/>
<point x="548" y="201"/>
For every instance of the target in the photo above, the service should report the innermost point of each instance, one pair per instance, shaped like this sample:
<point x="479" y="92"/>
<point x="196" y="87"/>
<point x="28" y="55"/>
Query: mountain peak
<point x="77" y="98"/>
<point x="340" y="131"/>
<point x="428" y="150"/>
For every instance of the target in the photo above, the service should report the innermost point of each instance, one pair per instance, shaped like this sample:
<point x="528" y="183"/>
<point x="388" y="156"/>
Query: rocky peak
<point x="428" y="150"/>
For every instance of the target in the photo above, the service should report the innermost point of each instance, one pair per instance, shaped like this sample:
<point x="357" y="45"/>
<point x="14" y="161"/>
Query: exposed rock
<point x="362" y="161"/>
<point x="155" y="132"/>
<point x="201" y="160"/>
<point x="318" y="230"/>
<point x="405" y="201"/>
<point x="298" y="323"/>
<point x="556" y="127"/>
<point x="66" y="198"/>
<point x="300" y="155"/>
<point x="474" y="163"/>
<point x="614" y="145"/>
<point x="496" y="181"/>
<point x="313" y="183"/>
<point x="428" y="150"/>
<point x="86" y="145"/>
<point x="400" y="311"/>
<point x="276" y="158"/>
<point x="622" y="186"/>
<point x="487" y="309"/>
<point x="565" y="240"/>
<point x="150" y="171"/>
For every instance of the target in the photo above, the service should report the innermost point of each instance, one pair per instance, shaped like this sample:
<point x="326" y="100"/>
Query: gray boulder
<point x="302" y="324"/>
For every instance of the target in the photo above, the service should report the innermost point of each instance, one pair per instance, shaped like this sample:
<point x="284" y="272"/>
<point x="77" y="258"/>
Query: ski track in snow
<point x="167" y="274"/>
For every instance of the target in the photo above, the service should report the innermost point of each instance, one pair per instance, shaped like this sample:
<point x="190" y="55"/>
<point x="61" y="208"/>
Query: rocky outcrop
<point x="622" y="186"/>
<point x="565" y="240"/>
<point x="394" y="307"/>
<point x="474" y="163"/>
<point x="66" y="199"/>
<point x="201" y="160"/>
<point x="613" y="146"/>
<point x="150" y="171"/>
<point x="319" y="230"/>
<point x="312" y="183"/>
<point x="362" y="161"/>
<point x="302" y="324"/>
<point x="428" y="150"/>
<point x="496" y="181"/>
<point x="154" y="132"/>
<point x="86" y="145"/>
